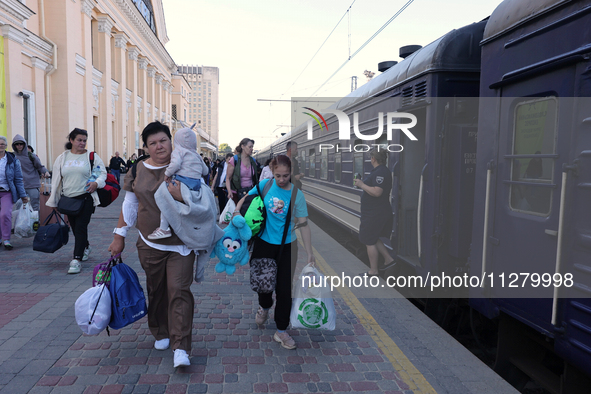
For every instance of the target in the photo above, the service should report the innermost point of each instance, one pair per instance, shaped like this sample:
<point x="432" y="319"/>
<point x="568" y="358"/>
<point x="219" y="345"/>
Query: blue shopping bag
<point x="128" y="303"/>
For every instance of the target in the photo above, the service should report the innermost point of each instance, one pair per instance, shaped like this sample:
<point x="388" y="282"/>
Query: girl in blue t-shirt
<point x="277" y="202"/>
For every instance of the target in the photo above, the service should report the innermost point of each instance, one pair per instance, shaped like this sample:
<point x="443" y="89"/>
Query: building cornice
<point x="97" y="77"/>
<point x="80" y="65"/>
<point x="132" y="53"/>
<point x="121" y="41"/>
<point x="133" y="15"/>
<point x="17" y="10"/>
<point x="39" y="44"/>
<point x="86" y="7"/>
<point x="142" y="63"/>
<point x="40" y="64"/>
<point x="105" y="24"/>
<point x="13" y="34"/>
<point x="114" y="87"/>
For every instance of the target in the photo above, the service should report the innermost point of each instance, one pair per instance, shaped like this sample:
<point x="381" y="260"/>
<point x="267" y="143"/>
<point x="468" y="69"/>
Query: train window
<point x="312" y="163"/>
<point x="337" y="164"/>
<point x="531" y="176"/>
<point x="324" y="164"/>
<point x="358" y="168"/>
<point x="304" y="163"/>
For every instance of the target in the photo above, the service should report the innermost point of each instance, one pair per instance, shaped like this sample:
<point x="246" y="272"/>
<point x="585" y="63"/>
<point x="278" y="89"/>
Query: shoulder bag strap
<point x="254" y="170"/>
<point x="134" y="168"/>
<point x="287" y="220"/>
<point x="262" y="196"/>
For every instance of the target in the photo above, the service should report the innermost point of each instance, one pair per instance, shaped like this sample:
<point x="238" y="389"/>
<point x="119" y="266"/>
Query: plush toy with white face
<point x="232" y="248"/>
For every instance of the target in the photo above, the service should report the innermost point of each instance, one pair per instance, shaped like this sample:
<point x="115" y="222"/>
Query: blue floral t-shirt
<point x="277" y="203"/>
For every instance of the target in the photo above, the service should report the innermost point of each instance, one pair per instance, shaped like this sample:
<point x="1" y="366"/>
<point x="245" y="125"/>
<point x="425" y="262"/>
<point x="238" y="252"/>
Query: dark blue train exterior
<point x="537" y="57"/>
<point x="499" y="177"/>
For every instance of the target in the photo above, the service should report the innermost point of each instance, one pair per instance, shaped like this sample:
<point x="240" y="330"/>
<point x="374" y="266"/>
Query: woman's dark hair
<point x="244" y="141"/>
<point x="280" y="160"/>
<point x="155" y="128"/>
<point x="229" y="155"/>
<point x="73" y="134"/>
<point x="268" y="161"/>
<point x="380" y="155"/>
<point x="31" y="148"/>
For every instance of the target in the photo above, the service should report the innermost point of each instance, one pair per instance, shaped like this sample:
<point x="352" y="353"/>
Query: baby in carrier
<point x="186" y="166"/>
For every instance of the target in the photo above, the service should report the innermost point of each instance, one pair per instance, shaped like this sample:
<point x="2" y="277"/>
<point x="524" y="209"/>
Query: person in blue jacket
<point x="12" y="188"/>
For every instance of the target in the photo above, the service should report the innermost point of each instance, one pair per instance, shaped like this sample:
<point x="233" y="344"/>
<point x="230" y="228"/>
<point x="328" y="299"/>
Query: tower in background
<point x="203" y="101"/>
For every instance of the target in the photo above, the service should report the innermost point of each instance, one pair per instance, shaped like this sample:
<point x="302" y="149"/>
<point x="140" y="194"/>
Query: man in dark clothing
<point x="115" y="165"/>
<point x="292" y="153"/>
<point x="219" y="182"/>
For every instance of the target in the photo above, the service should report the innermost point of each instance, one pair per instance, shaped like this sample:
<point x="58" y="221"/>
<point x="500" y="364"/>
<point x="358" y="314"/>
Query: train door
<point x="533" y="144"/>
<point x="412" y="163"/>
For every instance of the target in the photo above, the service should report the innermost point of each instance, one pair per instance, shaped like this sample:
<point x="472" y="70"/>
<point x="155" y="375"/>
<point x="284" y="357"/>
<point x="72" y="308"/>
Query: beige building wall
<point x="28" y="58"/>
<point x="204" y="104"/>
<point x="180" y="94"/>
<point x="101" y="66"/>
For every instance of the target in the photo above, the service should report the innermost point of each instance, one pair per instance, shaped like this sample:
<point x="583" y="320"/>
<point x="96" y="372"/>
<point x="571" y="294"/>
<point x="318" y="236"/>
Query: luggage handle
<point x="313" y="291"/>
<point x="59" y="217"/>
<point x="113" y="261"/>
<point x="110" y="265"/>
<point x="310" y="269"/>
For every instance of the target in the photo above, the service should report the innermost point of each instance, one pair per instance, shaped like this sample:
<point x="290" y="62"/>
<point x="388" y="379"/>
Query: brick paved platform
<point x="377" y="347"/>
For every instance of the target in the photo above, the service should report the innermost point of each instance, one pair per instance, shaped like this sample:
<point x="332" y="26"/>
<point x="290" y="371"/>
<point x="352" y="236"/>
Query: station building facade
<point x="203" y="99"/>
<point x="101" y="66"/>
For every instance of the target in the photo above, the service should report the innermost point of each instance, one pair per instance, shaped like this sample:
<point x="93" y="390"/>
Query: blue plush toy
<point x="232" y="248"/>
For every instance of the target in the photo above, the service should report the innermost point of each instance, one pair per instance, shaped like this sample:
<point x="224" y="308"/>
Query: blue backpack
<point x="128" y="303"/>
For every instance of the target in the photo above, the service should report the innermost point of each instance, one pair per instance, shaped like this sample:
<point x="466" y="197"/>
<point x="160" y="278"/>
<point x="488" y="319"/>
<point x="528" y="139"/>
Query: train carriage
<point x="433" y="84"/>
<point x="533" y="166"/>
<point x="498" y="180"/>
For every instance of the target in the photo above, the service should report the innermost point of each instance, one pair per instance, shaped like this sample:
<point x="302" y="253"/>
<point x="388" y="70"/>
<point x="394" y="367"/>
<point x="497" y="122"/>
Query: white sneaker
<point x="181" y="358"/>
<point x="162" y="344"/>
<point x="160" y="234"/>
<point x="74" y="267"/>
<point x="87" y="251"/>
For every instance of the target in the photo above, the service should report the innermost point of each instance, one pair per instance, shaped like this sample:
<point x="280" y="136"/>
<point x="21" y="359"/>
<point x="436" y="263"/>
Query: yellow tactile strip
<point x="403" y="366"/>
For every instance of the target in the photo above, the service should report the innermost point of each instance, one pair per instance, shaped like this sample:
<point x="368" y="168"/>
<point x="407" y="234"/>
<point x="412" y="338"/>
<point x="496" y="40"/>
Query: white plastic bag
<point x="313" y="306"/>
<point x="16" y="208"/>
<point x="24" y="225"/>
<point x="93" y="310"/>
<point x="228" y="212"/>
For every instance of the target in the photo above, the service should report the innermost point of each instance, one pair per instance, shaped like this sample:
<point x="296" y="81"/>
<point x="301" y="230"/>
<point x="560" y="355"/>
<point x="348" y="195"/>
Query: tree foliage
<point x="225" y="148"/>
